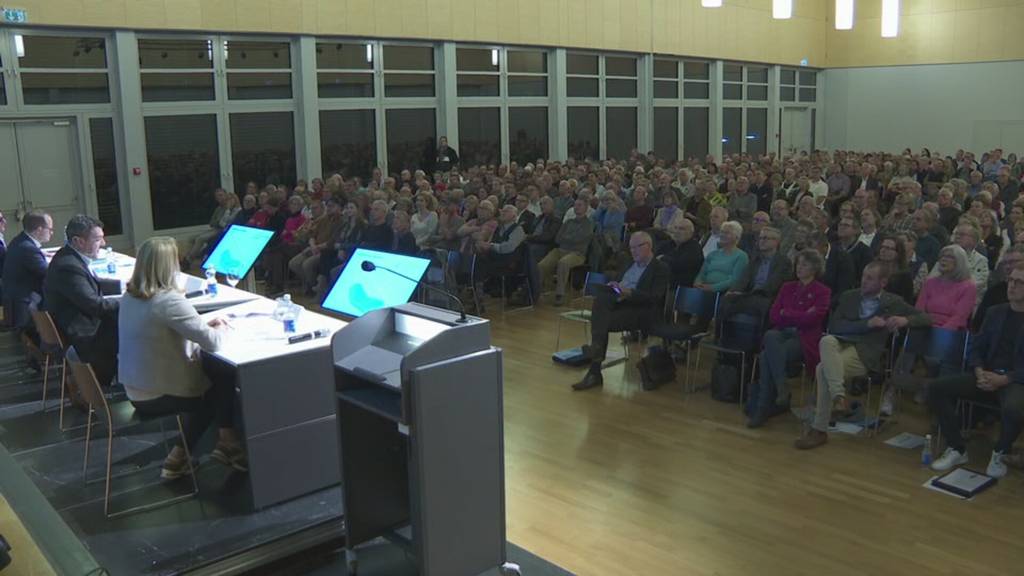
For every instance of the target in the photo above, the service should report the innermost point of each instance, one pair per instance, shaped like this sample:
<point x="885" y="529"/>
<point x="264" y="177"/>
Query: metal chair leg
<point x="46" y="378"/>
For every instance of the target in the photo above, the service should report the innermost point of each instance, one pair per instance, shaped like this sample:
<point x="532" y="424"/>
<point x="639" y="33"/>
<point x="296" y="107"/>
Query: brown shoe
<point x="811" y="440"/>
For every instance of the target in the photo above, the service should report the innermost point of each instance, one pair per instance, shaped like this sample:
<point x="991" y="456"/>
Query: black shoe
<point x="593" y="379"/>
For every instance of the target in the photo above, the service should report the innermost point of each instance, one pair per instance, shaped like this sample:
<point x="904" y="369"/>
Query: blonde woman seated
<point x="159" y="362"/>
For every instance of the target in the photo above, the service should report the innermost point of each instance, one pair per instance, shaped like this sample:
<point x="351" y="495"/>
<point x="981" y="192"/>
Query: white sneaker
<point x="996" y="466"/>
<point x="949" y="459"/>
<point x="888" y="399"/>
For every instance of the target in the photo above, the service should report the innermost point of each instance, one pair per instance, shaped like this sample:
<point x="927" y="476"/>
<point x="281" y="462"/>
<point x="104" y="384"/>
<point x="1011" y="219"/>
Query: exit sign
<point x="15" y="15"/>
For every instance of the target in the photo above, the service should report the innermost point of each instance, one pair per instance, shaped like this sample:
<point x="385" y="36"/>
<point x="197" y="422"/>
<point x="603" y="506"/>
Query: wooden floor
<point x="621" y="481"/>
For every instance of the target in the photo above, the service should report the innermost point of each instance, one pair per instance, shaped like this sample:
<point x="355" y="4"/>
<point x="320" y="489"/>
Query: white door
<point x="795" y="130"/>
<point x="40" y="158"/>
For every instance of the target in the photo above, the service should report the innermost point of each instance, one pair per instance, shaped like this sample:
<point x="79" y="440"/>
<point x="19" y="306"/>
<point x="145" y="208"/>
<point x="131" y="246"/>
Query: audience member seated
<point x="377" y="235"/>
<point x="682" y="254"/>
<point x="869" y="234"/>
<point x="223" y="214"/>
<point x="446" y="237"/>
<point x="892" y="254"/>
<point x="857" y="334"/>
<point x="949" y="213"/>
<point x="74" y="297"/>
<point x="756" y="288"/>
<point x="159" y="359"/>
<point x="402" y="240"/>
<point x="424" y="222"/>
<point x="25" y="268"/>
<point x="967" y="236"/>
<point x="698" y="207"/>
<point x="317" y="235"/>
<point x="288" y="244"/>
<point x="501" y="255"/>
<point x="927" y="246"/>
<point x="752" y="235"/>
<point x="839" y="271"/>
<point x="348" y="237"/>
<point x="526" y="218"/>
<point x="797" y="317"/>
<point x="991" y="238"/>
<point x="996" y="293"/>
<point x="848" y="233"/>
<point x="724" y="267"/>
<point x="996" y="364"/>
<point x="609" y="220"/>
<point x="781" y="221"/>
<point x="634" y="302"/>
<point x="716" y="218"/>
<point x="573" y="240"/>
<point x="640" y="215"/>
<point x="669" y="213"/>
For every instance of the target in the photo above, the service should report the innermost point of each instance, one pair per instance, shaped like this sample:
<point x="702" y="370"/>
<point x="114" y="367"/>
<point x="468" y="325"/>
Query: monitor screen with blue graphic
<point x="359" y="291"/>
<point x="238" y="250"/>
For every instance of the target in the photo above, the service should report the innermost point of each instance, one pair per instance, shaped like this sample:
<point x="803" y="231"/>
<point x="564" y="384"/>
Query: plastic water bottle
<point x="211" y="281"/>
<point x="111" y="262"/>
<point x="286" y="312"/>
<point x="926" y="451"/>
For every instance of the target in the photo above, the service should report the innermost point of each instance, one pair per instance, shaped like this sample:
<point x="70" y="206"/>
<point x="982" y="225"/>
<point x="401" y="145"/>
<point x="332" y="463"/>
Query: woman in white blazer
<point x="159" y="363"/>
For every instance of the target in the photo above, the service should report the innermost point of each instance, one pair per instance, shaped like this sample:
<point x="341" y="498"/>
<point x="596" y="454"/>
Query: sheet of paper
<point x="906" y="440"/>
<point x="965" y="479"/>
<point x="846" y="428"/>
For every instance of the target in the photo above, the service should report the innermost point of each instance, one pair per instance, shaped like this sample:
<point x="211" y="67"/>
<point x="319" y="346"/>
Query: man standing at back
<point x="74" y="297"/>
<point x="25" y="268"/>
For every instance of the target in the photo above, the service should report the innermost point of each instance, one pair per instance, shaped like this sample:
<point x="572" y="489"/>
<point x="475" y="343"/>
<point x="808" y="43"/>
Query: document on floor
<point x="964" y="483"/>
<point x="906" y="440"/>
<point x="846" y="428"/>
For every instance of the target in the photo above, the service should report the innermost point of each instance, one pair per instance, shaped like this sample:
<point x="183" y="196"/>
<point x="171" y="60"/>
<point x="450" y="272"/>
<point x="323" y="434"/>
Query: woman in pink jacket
<point x="798" y="316"/>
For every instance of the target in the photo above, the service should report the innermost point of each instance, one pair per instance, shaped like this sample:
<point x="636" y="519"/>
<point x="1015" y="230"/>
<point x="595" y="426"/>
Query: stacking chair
<point x="92" y="394"/>
<point x="51" y="346"/>
<point x="582" y="315"/>
<point x="741" y="336"/>
<point x="521" y="271"/>
<point x="932" y="343"/>
<point x="688" y="302"/>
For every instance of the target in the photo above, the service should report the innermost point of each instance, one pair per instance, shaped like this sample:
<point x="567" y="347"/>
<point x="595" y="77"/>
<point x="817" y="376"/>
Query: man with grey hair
<point x="742" y="203"/>
<point x="572" y="242"/>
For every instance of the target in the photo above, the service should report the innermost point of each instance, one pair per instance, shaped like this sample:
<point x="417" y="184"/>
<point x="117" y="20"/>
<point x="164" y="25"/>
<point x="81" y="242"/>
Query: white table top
<point x="255" y="335"/>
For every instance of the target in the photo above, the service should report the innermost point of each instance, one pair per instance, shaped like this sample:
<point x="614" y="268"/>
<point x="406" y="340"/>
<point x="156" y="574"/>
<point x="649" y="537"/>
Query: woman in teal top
<point x="723" y="267"/>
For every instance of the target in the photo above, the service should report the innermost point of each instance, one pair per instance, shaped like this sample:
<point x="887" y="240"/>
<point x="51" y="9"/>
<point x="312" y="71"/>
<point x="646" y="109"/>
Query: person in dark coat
<point x="683" y="255"/>
<point x="839" y="272"/>
<point x="25" y="268"/>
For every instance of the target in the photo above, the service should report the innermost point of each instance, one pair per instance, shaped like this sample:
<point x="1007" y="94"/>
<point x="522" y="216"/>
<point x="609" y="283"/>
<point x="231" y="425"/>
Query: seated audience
<point x="756" y="288"/>
<point x="159" y="359"/>
<point x="968" y="236"/>
<point x="423" y="223"/>
<point x="640" y="215"/>
<point x="402" y="241"/>
<point x="573" y="240"/>
<point x="345" y="241"/>
<point x="839" y="271"/>
<point x="291" y="241"/>
<point x="315" y="239"/>
<point x="786" y="226"/>
<point x="996" y="293"/>
<point x="377" y="234"/>
<point x="724" y="267"/>
<point x="669" y="213"/>
<point x="223" y="214"/>
<point x="857" y="333"/>
<point x="25" y="269"/>
<point x="501" y="254"/>
<point x="609" y="221"/>
<point x="752" y="235"/>
<point x="716" y="217"/>
<point x="848" y="233"/>
<point x="682" y="254"/>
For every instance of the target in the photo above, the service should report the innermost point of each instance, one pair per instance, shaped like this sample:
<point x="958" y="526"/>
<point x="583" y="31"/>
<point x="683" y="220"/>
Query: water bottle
<point x="286" y="312"/>
<point x="926" y="451"/>
<point x="111" y="262"/>
<point x="211" y="281"/>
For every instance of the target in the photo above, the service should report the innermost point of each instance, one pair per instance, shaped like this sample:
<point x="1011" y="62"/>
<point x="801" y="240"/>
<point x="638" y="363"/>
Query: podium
<point x="419" y="405"/>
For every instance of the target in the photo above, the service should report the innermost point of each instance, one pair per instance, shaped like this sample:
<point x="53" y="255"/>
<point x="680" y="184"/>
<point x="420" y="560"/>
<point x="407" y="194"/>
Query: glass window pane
<point x="343" y="55"/>
<point x="581" y="87"/>
<point x="58" y="88"/>
<point x="581" y="63"/>
<point x="480" y="136"/>
<point x="808" y="94"/>
<point x="527" y="61"/>
<point x="757" y="92"/>
<point x="787" y="94"/>
<point x="184" y="167"/>
<point x="757" y="129"/>
<point x="787" y="76"/>
<point x="478" y="85"/>
<point x="348" y="142"/>
<point x="732" y="130"/>
<point x="63" y="52"/>
<point x="616" y="88"/>
<point x="732" y="73"/>
<point x="666" y="89"/>
<point x="411" y="134"/>
<point x="666" y="68"/>
<point x="732" y="91"/>
<point x="695" y="132"/>
<point x="104" y="168"/>
<point x="527" y="133"/>
<point x="408" y="85"/>
<point x="344" y="85"/>
<point x="620" y="132"/>
<point x="176" y="87"/>
<point x="696" y="71"/>
<point x="666" y="133"/>
<point x="408" y="57"/>
<point x="696" y="90"/>
<point x="757" y="74"/>
<point x="259" y="85"/>
<point x="476" y="60"/>
<point x="584" y="132"/>
<point x="808" y="78"/>
<point x="244" y="54"/>
<point x="619" y="66"/>
<point x="263" y="148"/>
<point x="159" y="53"/>
<point x="527" y="85"/>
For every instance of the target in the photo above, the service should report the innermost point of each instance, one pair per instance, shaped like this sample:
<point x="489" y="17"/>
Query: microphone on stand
<point x="368" y="266"/>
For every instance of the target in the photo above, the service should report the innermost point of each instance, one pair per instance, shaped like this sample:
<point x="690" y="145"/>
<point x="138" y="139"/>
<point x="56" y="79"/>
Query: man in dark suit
<point x="996" y="373"/>
<point x="25" y="268"/>
<point x="402" y="240"/>
<point x="839" y="274"/>
<point x="755" y="290"/>
<point x="858" y="330"/>
<point x="848" y="232"/>
<point x="634" y="302"/>
<point x="74" y="297"/>
<point x="526" y="219"/>
<point x="683" y="255"/>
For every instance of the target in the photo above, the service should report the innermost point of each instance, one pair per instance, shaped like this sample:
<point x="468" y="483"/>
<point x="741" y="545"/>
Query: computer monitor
<point x="238" y="250"/>
<point x="359" y="290"/>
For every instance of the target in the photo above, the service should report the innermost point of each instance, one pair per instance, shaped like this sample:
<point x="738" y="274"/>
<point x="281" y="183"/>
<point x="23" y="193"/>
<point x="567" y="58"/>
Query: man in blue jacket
<point x="25" y="268"/>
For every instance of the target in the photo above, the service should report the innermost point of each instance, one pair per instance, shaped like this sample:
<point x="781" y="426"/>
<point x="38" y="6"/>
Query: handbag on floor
<point x="656" y="368"/>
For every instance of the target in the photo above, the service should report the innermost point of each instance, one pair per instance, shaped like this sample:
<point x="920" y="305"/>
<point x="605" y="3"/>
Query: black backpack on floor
<point x="656" y="368"/>
<point x="725" y="378"/>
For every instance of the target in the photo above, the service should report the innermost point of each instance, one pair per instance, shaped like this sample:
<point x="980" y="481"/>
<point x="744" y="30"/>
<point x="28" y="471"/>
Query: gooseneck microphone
<point x="368" y="266"/>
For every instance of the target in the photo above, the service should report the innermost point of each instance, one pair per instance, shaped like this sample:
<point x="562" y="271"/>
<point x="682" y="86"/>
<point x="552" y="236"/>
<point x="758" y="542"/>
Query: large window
<point x="480" y="136"/>
<point x="621" y="131"/>
<point x="104" y="168"/>
<point x="527" y="73"/>
<point x="732" y="130"/>
<point x="263" y="148"/>
<point x="666" y="133"/>
<point x="348" y="142"/>
<point x="527" y="133"/>
<point x="696" y="80"/>
<point x="184" y="168"/>
<point x="408" y="72"/>
<point x="582" y="75"/>
<point x="620" y="74"/>
<point x="666" y="78"/>
<point x="479" y="72"/>
<point x="258" y="70"/>
<point x="584" y="133"/>
<point x="411" y="138"/>
<point x="63" y="70"/>
<point x="344" y="70"/>
<point x="757" y="83"/>
<point x="757" y="128"/>
<point x="808" y="85"/>
<point x="174" y="70"/>
<point x="695" y="132"/>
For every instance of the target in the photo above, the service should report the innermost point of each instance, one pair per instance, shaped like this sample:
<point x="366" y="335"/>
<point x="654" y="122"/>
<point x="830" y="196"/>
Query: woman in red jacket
<point x="798" y="316"/>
